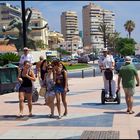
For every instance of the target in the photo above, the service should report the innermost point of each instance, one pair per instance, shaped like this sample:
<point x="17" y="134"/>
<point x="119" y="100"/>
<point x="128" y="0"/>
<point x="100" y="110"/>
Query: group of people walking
<point x="51" y="75"/>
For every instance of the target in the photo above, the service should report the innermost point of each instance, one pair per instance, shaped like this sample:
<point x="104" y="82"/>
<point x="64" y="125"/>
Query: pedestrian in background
<point x="128" y="74"/>
<point x="25" y="77"/>
<point x="38" y="65"/>
<point x="26" y="57"/>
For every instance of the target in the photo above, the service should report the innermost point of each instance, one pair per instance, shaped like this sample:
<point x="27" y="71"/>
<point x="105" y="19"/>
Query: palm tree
<point x="104" y="28"/>
<point x="129" y="27"/>
<point x="112" y="40"/>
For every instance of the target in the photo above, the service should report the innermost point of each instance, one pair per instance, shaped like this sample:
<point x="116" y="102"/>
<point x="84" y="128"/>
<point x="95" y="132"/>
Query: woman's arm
<point x="66" y="81"/>
<point x="31" y="76"/>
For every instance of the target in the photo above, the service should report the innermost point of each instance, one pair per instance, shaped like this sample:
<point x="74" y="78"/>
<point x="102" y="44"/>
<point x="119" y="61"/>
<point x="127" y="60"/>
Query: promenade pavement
<point x="85" y="112"/>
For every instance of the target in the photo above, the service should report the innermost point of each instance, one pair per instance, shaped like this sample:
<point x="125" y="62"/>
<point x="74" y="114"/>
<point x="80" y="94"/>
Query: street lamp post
<point x="71" y="49"/>
<point x="23" y="22"/>
<point x="104" y="31"/>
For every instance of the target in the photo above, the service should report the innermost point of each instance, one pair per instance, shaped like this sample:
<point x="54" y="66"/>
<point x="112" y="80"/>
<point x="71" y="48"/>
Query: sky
<point x="124" y="10"/>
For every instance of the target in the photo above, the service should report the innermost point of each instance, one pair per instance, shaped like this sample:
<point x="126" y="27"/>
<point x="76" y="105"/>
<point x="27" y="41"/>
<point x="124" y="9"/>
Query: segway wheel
<point x="118" y="97"/>
<point x="103" y="97"/>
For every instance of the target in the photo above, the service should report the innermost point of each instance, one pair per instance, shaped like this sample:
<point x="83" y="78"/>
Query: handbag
<point x="42" y="91"/>
<point x="16" y="89"/>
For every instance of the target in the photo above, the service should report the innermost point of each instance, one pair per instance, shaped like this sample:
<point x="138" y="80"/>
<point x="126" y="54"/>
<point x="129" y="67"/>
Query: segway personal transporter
<point x="109" y="76"/>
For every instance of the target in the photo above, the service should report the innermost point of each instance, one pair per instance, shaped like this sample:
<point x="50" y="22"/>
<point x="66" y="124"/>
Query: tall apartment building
<point x="69" y="25"/>
<point x="37" y="20"/>
<point x="7" y="14"/>
<point x="93" y="16"/>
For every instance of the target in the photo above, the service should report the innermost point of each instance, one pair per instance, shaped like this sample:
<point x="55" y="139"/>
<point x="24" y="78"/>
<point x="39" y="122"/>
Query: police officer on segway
<point x="106" y="64"/>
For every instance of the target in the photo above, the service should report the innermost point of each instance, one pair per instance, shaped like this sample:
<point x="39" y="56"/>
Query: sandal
<point x="131" y="112"/>
<point x="127" y="110"/>
<point x="30" y="115"/>
<point x="20" y="115"/>
<point x="65" y="114"/>
<point x="59" y="117"/>
<point x="51" y="116"/>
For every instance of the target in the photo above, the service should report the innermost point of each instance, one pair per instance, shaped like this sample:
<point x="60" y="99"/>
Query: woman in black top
<point x="25" y="77"/>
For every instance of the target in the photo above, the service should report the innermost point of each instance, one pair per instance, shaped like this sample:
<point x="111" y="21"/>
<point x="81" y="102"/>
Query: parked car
<point x="65" y="59"/>
<point x="121" y="62"/>
<point x="83" y="59"/>
<point x="92" y="57"/>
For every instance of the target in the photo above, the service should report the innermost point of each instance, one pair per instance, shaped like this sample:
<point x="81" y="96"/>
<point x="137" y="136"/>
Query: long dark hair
<point x="44" y="61"/>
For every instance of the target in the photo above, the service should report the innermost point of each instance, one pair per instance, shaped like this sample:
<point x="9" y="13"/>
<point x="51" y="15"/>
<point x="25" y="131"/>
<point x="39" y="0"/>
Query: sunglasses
<point x="49" y="68"/>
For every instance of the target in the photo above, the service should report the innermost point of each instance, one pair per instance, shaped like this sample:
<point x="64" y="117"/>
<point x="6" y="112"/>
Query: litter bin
<point x="8" y="78"/>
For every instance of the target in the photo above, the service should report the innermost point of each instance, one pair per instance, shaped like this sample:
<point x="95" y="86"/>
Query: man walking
<point x="128" y="74"/>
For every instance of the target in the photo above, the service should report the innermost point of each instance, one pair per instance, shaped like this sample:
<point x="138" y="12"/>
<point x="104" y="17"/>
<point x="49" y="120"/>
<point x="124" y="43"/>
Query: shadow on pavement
<point x="116" y="112"/>
<point x="11" y="102"/>
<point x="13" y="118"/>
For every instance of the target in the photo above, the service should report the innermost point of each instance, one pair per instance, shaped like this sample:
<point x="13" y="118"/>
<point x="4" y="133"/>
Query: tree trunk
<point x="129" y="34"/>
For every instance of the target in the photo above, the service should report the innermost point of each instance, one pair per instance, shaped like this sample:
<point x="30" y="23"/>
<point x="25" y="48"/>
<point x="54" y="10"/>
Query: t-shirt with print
<point x="128" y="73"/>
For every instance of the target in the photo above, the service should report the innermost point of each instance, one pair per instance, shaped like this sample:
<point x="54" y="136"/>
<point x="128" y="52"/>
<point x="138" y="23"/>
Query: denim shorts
<point x="26" y="89"/>
<point x="58" y="89"/>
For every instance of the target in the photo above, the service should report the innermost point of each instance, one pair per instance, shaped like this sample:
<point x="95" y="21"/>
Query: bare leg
<point x="21" y="103"/>
<point x="63" y="96"/>
<point x="29" y="98"/>
<point x="52" y="104"/>
<point x="131" y="103"/>
<point x="58" y="103"/>
<point x="127" y="102"/>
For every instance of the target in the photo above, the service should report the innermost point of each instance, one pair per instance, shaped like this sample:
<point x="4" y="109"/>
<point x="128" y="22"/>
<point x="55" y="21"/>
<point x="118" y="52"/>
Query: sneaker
<point x="107" y="95"/>
<point x="114" y="97"/>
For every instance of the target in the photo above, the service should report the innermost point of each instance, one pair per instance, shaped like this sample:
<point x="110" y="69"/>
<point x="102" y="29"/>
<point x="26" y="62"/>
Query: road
<point x="91" y="72"/>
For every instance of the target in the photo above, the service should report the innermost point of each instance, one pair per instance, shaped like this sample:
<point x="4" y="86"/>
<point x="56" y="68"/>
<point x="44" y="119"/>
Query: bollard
<point x="94" y="72"/>
<point x="82" y="73"/>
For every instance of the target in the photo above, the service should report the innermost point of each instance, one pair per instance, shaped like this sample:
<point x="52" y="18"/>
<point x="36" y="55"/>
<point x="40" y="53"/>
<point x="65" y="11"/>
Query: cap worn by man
<point x="104" y="50"/>
<point x="128" y="59"/>
<point x="26" y="49"/>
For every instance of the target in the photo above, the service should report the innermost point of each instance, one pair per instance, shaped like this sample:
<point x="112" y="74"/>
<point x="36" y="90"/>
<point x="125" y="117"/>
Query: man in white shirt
<point x="26" y="56"/>
<point x="107" y="61"/>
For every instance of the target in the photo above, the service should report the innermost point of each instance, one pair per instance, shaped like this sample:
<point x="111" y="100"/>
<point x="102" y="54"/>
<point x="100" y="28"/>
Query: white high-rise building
<point x="92" y="18"/>
<point x="69" y="25"/>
